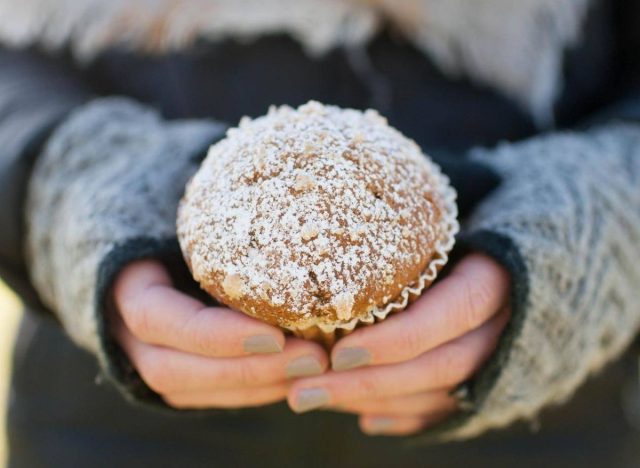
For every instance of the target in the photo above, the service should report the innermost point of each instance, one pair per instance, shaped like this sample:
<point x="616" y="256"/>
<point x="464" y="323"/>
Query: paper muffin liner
<point x="327" y="334"/>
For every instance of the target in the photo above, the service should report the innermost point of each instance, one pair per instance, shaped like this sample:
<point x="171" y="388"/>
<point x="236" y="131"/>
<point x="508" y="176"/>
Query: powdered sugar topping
<point x="310" y="210"/>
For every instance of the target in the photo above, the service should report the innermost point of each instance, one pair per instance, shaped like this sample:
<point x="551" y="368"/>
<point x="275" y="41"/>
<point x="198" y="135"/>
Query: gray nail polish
<point x="304" y="366"/>
<point x="310" y="399"/>
<point x="350" y="358"/>
<point x="380" y="425"/>
<point x="261" y="344"/>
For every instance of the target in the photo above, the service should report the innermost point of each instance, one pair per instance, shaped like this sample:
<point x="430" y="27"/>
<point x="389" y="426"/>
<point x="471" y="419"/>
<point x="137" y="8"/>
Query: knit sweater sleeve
<point x="36" y="94"/>
<point x="104" y="193"/>
<point x="565" y="221"/>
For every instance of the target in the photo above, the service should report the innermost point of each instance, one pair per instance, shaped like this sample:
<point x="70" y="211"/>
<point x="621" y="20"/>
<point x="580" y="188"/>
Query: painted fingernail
<point x="350" y="358"/>
<point x="304" y="366"/>
<point x="310" y="399"/>
<point x="380" y="425"/>
<point x="261" y="344"/>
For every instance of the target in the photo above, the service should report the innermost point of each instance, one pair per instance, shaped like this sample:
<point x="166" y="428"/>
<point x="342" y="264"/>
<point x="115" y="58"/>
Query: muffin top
<point x="312" y="216"/>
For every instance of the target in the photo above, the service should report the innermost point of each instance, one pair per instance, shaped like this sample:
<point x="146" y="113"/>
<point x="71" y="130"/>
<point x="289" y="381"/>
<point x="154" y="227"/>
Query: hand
<point x="416" y="357"/>
<point x="203" y="357"/>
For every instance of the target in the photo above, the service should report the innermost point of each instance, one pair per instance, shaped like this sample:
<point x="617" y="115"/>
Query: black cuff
<point x="473" y="392"/>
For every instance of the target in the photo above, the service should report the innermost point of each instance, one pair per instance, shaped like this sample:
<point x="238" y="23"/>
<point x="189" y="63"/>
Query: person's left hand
<point x="416" y="357"/>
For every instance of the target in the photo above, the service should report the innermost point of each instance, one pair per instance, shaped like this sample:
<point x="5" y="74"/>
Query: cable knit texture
<point x="570" y="205"/>
<point x="111" y="174"/>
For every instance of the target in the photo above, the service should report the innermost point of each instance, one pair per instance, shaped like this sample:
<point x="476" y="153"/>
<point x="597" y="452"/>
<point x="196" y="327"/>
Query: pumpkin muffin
<point x="316" y="219"/>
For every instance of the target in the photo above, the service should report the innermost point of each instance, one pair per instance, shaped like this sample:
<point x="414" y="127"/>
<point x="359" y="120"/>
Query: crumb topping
<point x="311" y="209"/>
<point x="233" y="285"/>
<point x="343" y="303"/>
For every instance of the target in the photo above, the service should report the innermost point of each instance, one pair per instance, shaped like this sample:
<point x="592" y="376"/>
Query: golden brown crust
<point x="312" y="216"/>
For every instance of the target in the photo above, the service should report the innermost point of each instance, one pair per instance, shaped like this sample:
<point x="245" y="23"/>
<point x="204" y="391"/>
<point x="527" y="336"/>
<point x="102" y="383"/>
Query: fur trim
<point x="513" y="46"/>
<point x="516" y="47"/>
<point x="90" y="26"/>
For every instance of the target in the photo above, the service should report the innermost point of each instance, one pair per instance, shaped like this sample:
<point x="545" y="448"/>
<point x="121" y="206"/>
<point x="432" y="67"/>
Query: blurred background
<point x="9" y="315"/>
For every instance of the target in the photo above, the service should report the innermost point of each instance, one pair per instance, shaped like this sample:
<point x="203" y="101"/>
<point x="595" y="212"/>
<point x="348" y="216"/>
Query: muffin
<point x="316" y="219"/>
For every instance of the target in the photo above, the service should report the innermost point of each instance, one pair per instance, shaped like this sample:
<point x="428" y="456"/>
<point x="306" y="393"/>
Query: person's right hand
<point x="203" y="357"/>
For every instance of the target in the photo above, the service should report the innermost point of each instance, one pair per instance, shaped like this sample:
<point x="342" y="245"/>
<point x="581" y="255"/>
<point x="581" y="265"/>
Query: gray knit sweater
<point x="570" y="203"/>
<point x="106" y="192"/>
<point x="565" y="221"/>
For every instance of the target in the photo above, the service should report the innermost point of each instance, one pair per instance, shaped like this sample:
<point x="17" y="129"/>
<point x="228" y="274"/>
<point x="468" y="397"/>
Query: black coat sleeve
<point x="626" y="104"/>
<point x="36" y="92"/>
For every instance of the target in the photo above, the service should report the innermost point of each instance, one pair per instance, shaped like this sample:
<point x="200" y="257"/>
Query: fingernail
<point x="310" y="399"/>
<point x="350" y="358"/>
<point x="304" y="366"/>
<point x="261" y="344"/>
<point x="380" y="425"/>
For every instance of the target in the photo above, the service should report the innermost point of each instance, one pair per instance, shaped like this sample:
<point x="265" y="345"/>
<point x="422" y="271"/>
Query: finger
<point x="228" y="399"/>
<point x="158" y="314"/>
<point x="474" y="291"/>
<point x="443" y="367"/>
<point x="168" y="371"/>
<point x="398" y="425"/>
<point x="408" y="405"/>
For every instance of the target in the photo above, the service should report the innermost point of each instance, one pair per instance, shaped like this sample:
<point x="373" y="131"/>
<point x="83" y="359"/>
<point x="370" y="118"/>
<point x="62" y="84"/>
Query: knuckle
<point x="247" y="374"/>
<point x="413" y="341"/>
<point x="155" y="374"/>
<point x="192" y="330"/>
<point x="475" y="297"/>
<point x="136" y="315"/>
<point x="453" y="367"/>
<point x="367" y="388"/>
